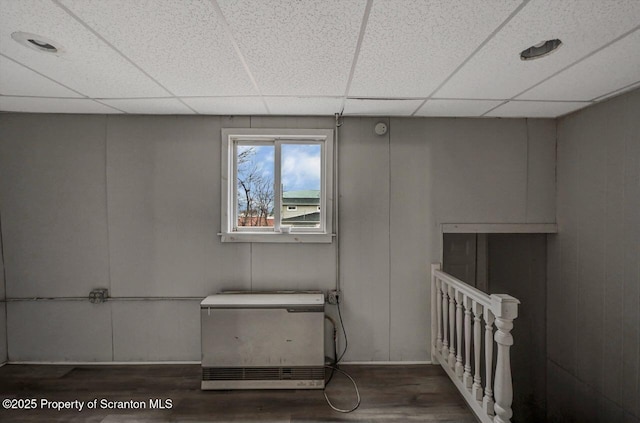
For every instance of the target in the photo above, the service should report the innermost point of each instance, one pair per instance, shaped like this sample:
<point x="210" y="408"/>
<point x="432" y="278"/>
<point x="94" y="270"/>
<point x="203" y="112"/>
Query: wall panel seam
<point x="389" y="228"/>
<point x="106" y="203"/>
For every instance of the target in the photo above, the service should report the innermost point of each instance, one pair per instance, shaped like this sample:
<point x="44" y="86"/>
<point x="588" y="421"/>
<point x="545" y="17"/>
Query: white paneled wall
<point x="457" y="171"/>
<point x="132" y="203"/>
<point x="3" y="332"/>
<point x="541" y="171"/>
<point x="364" y="233"/>
<point x="3" y="316"/>
<point x="163" y="196"/>
<point x="593" y="266"/>
<point x="59" y="331"/>
<point x="163" y="330"/>
<point x="54" y="225"/>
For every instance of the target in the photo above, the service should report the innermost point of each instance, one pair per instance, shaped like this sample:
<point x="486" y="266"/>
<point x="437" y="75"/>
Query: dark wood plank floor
<point x="389" y="394"/>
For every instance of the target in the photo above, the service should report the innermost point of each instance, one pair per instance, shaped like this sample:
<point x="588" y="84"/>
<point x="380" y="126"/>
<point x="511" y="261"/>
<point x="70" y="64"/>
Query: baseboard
<point x="142" y="363"/>
<point x="385" y="363"/>
<point x="100" y="363"/>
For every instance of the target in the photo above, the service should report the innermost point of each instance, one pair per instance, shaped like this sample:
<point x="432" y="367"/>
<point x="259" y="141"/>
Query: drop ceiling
<point x="318" y="57"/>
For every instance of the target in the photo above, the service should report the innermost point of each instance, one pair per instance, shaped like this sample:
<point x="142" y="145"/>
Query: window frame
<point x="231" y="138"/>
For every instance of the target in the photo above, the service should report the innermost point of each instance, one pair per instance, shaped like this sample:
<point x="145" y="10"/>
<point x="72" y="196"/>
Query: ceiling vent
<point x="540" y="50"/>
<point x="37" y="42"/>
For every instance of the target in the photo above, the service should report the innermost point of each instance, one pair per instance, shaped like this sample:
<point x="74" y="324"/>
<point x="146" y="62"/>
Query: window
<point x="277" y="185"/>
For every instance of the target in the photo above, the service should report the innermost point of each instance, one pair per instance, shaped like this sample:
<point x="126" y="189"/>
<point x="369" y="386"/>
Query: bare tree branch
<point x="255" y="191"/>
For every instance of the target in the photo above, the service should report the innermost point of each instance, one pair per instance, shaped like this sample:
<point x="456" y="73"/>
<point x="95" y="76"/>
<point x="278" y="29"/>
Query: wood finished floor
<point x="389" y="394"/>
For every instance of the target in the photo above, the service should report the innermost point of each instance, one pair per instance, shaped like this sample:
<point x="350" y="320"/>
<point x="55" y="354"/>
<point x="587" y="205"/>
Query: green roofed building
<point x="301" y="208"/>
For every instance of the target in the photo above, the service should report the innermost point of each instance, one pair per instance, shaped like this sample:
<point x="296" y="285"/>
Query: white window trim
<point x="228" y="181"/>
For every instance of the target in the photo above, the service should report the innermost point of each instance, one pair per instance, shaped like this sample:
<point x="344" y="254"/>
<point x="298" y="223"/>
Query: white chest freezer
<point x="271" y="340"/>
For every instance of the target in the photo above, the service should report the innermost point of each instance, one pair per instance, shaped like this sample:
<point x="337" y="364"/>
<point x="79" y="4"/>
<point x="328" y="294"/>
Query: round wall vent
<point x="37" y="42"/>
<point x="540" y="50"/>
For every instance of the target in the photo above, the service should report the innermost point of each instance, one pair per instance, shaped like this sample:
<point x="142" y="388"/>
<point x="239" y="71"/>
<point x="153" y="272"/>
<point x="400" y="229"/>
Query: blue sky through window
<point x="300" y="164"/>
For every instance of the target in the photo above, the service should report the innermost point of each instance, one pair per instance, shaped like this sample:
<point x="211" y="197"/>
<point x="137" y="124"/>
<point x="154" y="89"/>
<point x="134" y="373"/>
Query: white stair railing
<point x="451" y="299"/>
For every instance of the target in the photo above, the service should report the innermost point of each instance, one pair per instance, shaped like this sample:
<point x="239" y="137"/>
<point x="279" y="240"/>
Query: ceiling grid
<point x="434" y="92"/>
<point x="81" y="22"/>
<point x="363" y="27"/>
<point x="288" y="57"/>
<point x="236" y="47"/>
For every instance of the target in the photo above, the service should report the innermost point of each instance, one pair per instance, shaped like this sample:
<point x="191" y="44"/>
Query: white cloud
<point x="301" y="166"/>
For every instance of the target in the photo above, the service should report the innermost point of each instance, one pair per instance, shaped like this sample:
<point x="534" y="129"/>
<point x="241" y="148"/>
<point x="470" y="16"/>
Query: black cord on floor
<point x="340" y="410"/>
<point x="344" y="332"/>
<point x="335" y="368"/>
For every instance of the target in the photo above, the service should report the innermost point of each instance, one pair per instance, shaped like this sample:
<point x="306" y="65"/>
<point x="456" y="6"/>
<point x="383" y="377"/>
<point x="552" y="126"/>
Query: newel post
<point x="505" y="309"/>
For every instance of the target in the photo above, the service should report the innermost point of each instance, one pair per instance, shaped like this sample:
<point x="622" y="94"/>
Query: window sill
<point x="299" y="238"/>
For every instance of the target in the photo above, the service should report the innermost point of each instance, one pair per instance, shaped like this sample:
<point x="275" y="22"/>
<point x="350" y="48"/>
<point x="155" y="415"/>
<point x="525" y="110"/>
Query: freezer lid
<point x="247" y="300"/>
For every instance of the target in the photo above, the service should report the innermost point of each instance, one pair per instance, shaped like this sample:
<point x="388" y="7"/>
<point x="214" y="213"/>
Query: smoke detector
<point x="380" y="128"/>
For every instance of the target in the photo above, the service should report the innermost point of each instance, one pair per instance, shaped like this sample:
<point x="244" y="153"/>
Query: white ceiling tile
<point x="309" y="106"/>
<point x="150" y="106"/>
<point x="355" y="106"/>
<point x="15" y="79"/>
<point x="606" y="71"/>
<point x="52" y="105"/>
<point x="460" y="108"/>
<point x="88" y="64"/>
<point x="227" y="105"/>
<point x="536" y="109"/>
<point x="297" y="47"/>
<point x="180" y="43"/>
<point x="411" y="47"/>
<point x="497" y="72"/>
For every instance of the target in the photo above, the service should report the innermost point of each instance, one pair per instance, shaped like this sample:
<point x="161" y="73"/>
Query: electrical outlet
<point x="333" y="296"/>
<point x="99" y="295"/>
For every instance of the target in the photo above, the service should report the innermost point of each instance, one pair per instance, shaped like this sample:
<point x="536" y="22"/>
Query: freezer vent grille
<point x="262" y="373"/>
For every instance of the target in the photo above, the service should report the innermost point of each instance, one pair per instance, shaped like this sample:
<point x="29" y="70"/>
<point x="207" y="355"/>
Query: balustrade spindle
<point x="435" y="299"/>
<point x="452" y="327"/>
<point x="438" y="316"/>
<point x="459" y="366"/>
<point x="467" y="379"/>
<point x="487" y="401"/>
<point x="506" y="310"/>
<point x="445" y="314"/>
<point x="477" y="348"/>
<point x="457" y="314"/>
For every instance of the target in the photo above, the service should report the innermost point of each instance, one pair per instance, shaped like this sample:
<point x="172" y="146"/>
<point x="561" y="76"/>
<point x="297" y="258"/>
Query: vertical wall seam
<point x="577" y="267"/>
<point x="558" y="267"/>
<point x="106" y="202"/>
<point x="624" y="269"/>
<point x="556" y="171"/>
<point x="604" y="270"/>
<point x="526" y="183"/>
<point x="106" y="199"/>
<point x="389" y="225"/>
